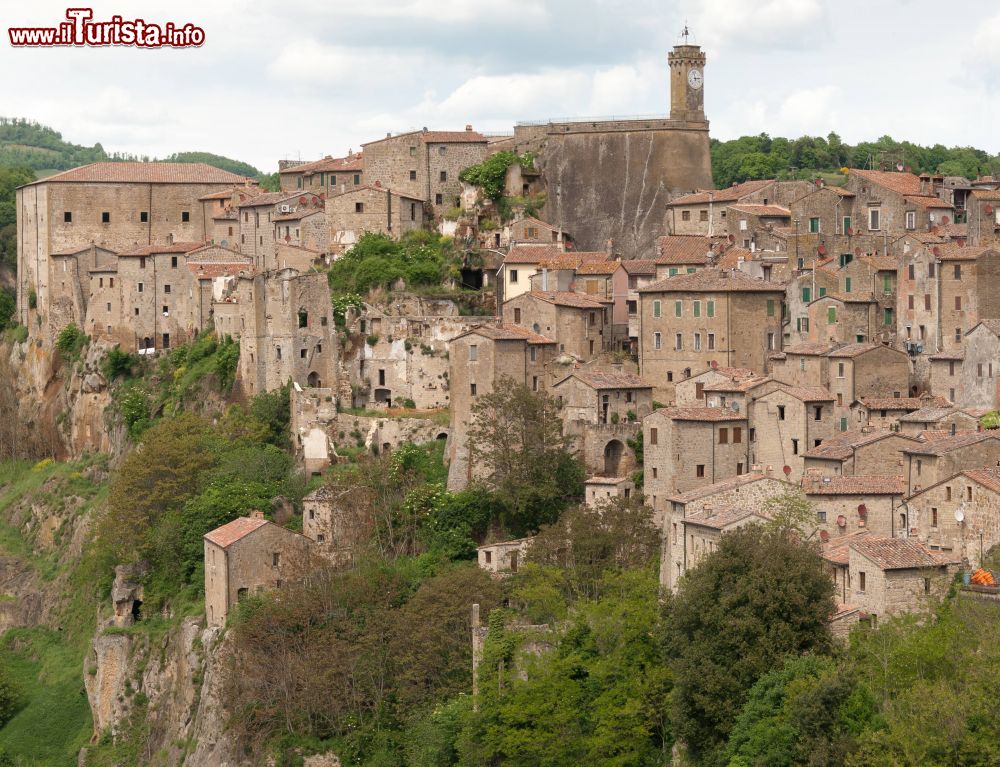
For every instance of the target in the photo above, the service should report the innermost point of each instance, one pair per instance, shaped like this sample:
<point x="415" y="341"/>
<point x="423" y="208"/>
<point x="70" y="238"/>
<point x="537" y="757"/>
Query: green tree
<point x="761" y="596"/>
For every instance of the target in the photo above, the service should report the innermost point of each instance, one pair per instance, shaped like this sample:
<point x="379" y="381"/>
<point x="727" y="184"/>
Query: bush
<point x="8" y="304"/>
<point x="32" y="299"/>
<point x="18" y="334"/>
<point x="409" y="404"/>
<point x="117" y="363"/>
<point x="372" y="339"/>
<point x="10" y="698"/>
<point x="227" y="357"/>
<point x="70" y="341"/>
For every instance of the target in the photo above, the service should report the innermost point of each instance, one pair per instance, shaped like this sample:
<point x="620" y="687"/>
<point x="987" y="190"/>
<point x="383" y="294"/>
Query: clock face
<point x="695" y="79"/>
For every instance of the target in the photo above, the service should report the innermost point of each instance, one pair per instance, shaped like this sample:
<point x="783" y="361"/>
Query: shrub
<point x="117" y="363"/>
<point x="372" y="339"/>
<point x="70" y="341"/>
<point x="32" y="299"/>
<point x="10" y="698"/>
<point x="7" y="306"/>
<point x="18" y="334"/>
<point x="227" y="357"/>
<point x="409" y="404"/>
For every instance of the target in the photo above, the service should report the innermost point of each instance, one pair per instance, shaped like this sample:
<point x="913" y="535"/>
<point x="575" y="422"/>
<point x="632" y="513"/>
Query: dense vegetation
<point x="24" y="143"/>
<point x="421" y="259"/>
<point x="755" y="157"/>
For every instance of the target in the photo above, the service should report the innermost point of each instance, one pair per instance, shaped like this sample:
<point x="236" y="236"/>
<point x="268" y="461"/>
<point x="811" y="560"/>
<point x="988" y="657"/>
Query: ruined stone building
<point x="116" y="207"/>
<point x="374" y="209"/>
<point x="247" y="556"/>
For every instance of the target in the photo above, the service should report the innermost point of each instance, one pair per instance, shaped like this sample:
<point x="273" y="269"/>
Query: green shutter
<point x="806" y="295"/>
<point x="711" y="308"/>
<point x="847" y="284"/>
<point x="677" y="308"/>
<point x="697" y="308"/>
<point x="887" y="317"/>
<point x="656" y="308"/>
<point x="673" y="271"/>
<point x="843" y="424"/>
<point x="691" y="270"/>
<point x="887" y="283"/>
<point x="798" y="324"/>
<point x="822" y="292"/>
<point x="831" y="315"/>
<point x="770" y="307"/>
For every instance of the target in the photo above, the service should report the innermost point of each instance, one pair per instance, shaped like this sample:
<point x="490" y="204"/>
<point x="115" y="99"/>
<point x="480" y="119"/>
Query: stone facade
<point x="331" y="521"/>
<point x="601" y="490"/>
<point x="858" y="453"/>
<point x="970" y="378"/>
<point x="576" y="322"/>
<point x="938" y="459"/>
<point x="788" y="422"/>
<point x="503" y="558"/>
<point x="246" y="556"/>
<point x="371" y="209"/>
<point x="257" y="217"/>
<point x="891" y="576"/>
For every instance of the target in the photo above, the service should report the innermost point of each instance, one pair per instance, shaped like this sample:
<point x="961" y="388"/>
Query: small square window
<point x="106" y="217"/>
<point x="144" y="217"/>
<point x="438" y="199"/>
<point x="173" y="262"/>
<point x="359" y="207"/>
<point x="413" y="175"/>
<point x="185" y="216"/>
<point x="444" y="176"/>
<point x="67" y="217"/>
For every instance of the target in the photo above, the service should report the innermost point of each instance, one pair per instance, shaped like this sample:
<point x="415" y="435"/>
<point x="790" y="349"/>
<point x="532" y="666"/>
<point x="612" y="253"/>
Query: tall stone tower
<point x="687" y="82"/>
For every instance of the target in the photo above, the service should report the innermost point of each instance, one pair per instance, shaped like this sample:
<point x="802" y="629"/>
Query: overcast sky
<point x="305" y="79"/>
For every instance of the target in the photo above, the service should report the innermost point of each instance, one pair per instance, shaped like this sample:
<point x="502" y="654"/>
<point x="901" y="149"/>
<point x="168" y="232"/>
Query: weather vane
<point x="685" y="33"/>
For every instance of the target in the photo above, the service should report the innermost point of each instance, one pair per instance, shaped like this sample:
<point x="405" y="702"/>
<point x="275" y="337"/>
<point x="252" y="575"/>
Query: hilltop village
<point x="709" y="349"/>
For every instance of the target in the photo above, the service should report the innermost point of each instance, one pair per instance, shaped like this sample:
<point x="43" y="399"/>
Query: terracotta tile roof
<point x="271" y="198"/>
<point x="713" y="281"/>
<point x="720" y="487"/>
<point x="600" y="379"/>
<point x="72" y="251"/>
<point x="808" y="348"/>
<point x="961" y="439"/>
<point x="837" y="550"/>
<point x="883" y="263"/>
<point x="842" y="447"/>
<point x="719" y="519"/>
<point x="955" y="252"/>
<point x="685" y="249"/>
<point x="902" y="403"/>
<point x="928" y="201"/>
<point x="226" y="215"/>
<point x="297" y="215"/>
<point x="145" y="173"/>
<point x="437" y="137"/>
<point x="853" y="350"/>
<point x="225" y="194"/>
<point x="763" y="210"/>
<point x="509" y="333"/>
<point x="533" y="253"/>
<point x="606" y="480"/>
<point x="955" y="231"/>
<point x="927" y="414"/>
<point x="806" y="393"/>
<point x="986" y="194"/>
<point x="988" y="477"/>
<point x="539" y="223"/>
<point x="898" y="553"/>
<point x="702" y="414"/>
<point x="599" y="267"/>
<point x="231" y="532"/>
<point x="215" y="261"/>
<point x="176" y="247"/>
<point x="376" y="187"/>
<point x="856" y="485"/>
<point x="738" y="386"/>
<point x="946" y="355"/>
<point x="567" y="298"/>
<point x="573" y="261"/>
<point x="352" y="163"/>
<point x="731" y="258"/>
<point x="901" y="183"/>
<point x="729" y="194"/>
<point x="639" y="266"/>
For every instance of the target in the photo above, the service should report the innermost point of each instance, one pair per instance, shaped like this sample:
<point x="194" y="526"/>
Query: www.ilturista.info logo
<point x="80" y="30"/>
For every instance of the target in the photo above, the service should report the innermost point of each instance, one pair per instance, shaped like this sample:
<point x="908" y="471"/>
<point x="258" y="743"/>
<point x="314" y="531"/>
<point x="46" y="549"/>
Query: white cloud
<point x="810" y="110"/>
<point x="309" y="61"/>
<point x="745" y="23"/>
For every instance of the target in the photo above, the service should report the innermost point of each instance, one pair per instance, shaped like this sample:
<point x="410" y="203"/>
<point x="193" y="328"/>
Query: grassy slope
<point x="55" y="719"/>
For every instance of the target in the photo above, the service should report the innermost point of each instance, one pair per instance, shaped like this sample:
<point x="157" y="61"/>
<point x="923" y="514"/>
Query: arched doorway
<point x="613" y="452"/>
<point x="313" y="380"/>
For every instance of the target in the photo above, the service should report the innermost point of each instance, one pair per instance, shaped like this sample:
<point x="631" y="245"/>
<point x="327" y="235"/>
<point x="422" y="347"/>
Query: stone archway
<point x="614" y="451"/>
<point x="313" y="380"/>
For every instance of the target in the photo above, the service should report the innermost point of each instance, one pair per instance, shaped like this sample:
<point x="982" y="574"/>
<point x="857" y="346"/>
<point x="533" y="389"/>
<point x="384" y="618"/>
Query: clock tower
<point x="687" y="82"/>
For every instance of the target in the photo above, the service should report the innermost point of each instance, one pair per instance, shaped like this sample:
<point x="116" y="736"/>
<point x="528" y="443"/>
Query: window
<point x="656" y="341"/>
<point x="752" y="434"/>
<point x="831" y="316"/>
<point x="592" y="319"/>
<point x="166" y="340"/>
<point x="678" y="308"/>
<point x="770" y="307"/>
<point x="678" y="342"/>
<point x="672" y="271"/>
<point x="795" y="447"/>
<point x="105" y="217"/>
<point x="302" y="353"/>
<point x="743" y="224"/>
<point x="958" y="340"/>
<point x="703" y="215"/>
<point x="814" y="225"/>
<point x="886" y="284"/>
<point x="691" y="270"/>
<point x="359" y="207"/>
<point x="67" y="217"/>
<point x="699" y="470"/>
<point x="413" y="175"/>
<point x="697" y="342"/>
<point x="909" y="301"/>
<point x="781" y="412"/>
<point x="185" y="216"/>
<point x="822" y="292"/>
<point x="947" y="493"/>
<point x="473" y="353"/>
<point x="444" y="175"/>
<point x="874" y="216"/>
<point x="802" y="364"/>
<point x="655" y="473"/>
<point x="818" y="414"/>
<point x="140" y="287"/>
<point x="711" y="341"/>
<point x="723" y="436"/>
<point x="652" y="436"/>
<point x="438" y="199"/>
<point x="357" y="179"/>
<point x="737" y="435"/>
<point x="143" y="217"/>
<point x="958" y="271"/>
<point x="911" y="272"/>
<point x="513" y="275"/>
<point x="843" y="424"/>
<point x="685" y="215"/>
<point x="847" y="284"/>
<point x="656" y="308"/>
<point x="109" y="306"/>
<point x="770" y="342"/>
<point x="934" y="517"/>
<point x="413" y="211"/>
<point x="847" y="225"/>
<point x="927" y="585"/>
<point x="911" y="219"/>
<point x="968" y="493"/>
<point x="533" y="353"/>
<point x="958" y="303"/>
<point x="472" y="389"/>
<point x="927" y="302"/>
<point x="931" y="269"/>
<point x="710" y="308"/>
<point x="806" y="295"/>
<point x="821" y="516"/>
<point x="696" y="307"/>
<point x="534" y="383"/>
<point x="861" y="581"/>
<point x="517" y="313"/>
<point x="887" y="317"/>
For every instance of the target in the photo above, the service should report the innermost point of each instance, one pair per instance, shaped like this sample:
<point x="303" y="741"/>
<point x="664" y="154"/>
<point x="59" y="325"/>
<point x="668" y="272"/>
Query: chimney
<point x="170" y="239"/>
<point x="610" y="246"/>
<point x="925" y="183"/>
<point x="468" y="127"/>
<point x="255" y="514"/>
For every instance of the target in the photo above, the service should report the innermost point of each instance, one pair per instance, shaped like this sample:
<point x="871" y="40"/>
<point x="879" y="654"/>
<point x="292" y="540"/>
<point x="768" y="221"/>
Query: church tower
<point x="687" y="81"/>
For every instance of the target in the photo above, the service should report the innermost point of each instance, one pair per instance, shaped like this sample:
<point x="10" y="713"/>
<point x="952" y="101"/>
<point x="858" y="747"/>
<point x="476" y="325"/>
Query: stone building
<point x="868" y="451"/>
<point x="685" y="253"/>
<point x="744" y="220"/>
<point x="600" y="490"/>
<point x="889" y="576"/>
<point x="116" y="206"/>
<point x="885" y="412"/>
<point x="256" y="219"/>
<point x="374" y="209"/>
<point x="331" y="520"/>
<point x="220" y="208"/>
<point x="575" y="321"/>
<point x="847" y="504"/>
<point x="305" y="227"/>
<point x="937" y="418"/>
<point x="699" y="533"/>
<point x="479" y="359"/>
<point x="960" y="514"/>
<point x="704" y="212"/>
<point x="970" y="377"/>
<point x="787" y="422"/>
<point x="888" y="204"/>
<point x="931" y="461"/>
<point x="524" y="261"/>
<point x="504" y="557"/>
<point x="802" y="289"/>
<point x="329" y="176"/>
<point x="690" y="447"/>
<point x="247" y="556"/>
<point x="691" y="322"/>
<point x="598" y="396"/>
<point x="984" y="216"/>
<point x="607" y="280"/>
<point x="424" y="165"/>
